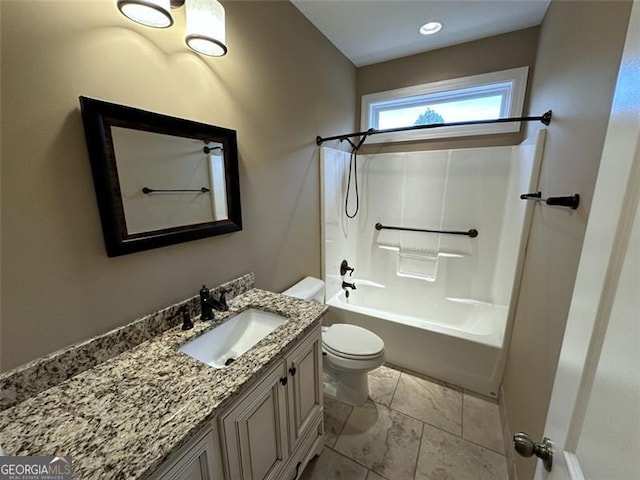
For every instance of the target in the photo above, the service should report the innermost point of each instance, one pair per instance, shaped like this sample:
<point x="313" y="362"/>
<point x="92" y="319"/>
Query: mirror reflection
<point x="160" y="180"/>
<point x="168" y="181"/>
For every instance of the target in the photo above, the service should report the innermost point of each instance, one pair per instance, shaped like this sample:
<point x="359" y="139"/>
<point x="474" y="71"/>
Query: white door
<point x="594" y="417"/>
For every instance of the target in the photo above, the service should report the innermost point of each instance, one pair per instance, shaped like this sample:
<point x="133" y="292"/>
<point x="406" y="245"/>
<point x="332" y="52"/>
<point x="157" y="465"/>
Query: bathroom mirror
<point x="160" y="180"/>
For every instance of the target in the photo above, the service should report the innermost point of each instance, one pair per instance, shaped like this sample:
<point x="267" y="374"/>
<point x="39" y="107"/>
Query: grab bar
<point x="147" y="190"/>
<point x="473" y="233"/>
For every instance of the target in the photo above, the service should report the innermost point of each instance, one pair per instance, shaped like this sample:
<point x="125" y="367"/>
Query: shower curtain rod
<point x="544" y="118"/>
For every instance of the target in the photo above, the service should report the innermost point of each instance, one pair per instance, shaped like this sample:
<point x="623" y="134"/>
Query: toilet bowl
<point x="349" y="352"/>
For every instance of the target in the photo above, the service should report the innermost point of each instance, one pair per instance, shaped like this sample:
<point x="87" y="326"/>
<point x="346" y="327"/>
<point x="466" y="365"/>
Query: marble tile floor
<point x="412" y="428"/>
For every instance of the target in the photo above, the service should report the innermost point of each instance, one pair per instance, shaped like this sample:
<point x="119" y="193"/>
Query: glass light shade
<point x="205" y="27"/>
<point x="152" y="13"/>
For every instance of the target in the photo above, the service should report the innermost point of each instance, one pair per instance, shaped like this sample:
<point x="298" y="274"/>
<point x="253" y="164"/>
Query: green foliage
<point x="428" y="117"/>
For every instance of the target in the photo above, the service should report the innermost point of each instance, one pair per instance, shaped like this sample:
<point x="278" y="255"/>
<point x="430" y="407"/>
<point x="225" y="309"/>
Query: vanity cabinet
<point x="276" y="427"/>
<point x="304" y="366"/>
<point x="198" y="460"/>
<point x="269" y="433"/>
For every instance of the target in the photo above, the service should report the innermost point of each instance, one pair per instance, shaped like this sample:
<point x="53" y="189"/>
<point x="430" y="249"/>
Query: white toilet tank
<point x="310" y="289"/>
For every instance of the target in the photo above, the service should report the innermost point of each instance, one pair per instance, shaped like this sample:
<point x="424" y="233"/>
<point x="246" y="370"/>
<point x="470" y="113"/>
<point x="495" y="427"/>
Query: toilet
<point x="349" y="352"/>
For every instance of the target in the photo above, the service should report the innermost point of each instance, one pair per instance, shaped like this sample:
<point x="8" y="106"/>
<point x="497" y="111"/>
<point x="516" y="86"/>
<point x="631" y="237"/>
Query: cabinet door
<point x="198" y="462"/>
<point x="304" y="367"/>
<point x="195" y="470"/>
<point x="254" y="431"/>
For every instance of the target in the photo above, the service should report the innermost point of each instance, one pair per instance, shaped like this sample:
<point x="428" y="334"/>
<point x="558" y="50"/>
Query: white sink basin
<point x="224" y="344"/>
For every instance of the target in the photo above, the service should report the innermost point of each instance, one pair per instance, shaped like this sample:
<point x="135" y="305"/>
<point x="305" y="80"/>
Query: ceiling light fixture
<point x="430" y="28"/>
<point x="205" y="21"/>
<point x="151" y="13"/>
<point x="206" y="27"/>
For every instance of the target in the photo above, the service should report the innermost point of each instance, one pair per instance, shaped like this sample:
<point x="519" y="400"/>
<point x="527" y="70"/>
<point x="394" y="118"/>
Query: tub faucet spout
<point x="346" y="285"/>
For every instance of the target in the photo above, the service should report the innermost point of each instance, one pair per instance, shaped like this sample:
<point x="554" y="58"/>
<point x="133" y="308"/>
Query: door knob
<point x="525" y="446"/>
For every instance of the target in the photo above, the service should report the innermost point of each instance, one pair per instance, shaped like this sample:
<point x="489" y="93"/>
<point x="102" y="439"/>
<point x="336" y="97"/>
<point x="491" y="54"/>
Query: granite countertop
<point x="122" y="418"/>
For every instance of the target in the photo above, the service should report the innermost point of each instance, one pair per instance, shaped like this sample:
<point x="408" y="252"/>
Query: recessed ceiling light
<point x="430" y="28"/>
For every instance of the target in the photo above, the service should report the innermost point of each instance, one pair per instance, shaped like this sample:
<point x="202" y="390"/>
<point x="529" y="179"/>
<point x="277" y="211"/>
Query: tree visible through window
<point x="480" y="97"/>
<point x="428" y="117"/>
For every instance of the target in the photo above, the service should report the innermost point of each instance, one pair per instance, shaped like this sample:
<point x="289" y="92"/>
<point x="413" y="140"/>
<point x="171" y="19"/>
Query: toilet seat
<point x="350" y="356"/>
<point x="352" y="342"/>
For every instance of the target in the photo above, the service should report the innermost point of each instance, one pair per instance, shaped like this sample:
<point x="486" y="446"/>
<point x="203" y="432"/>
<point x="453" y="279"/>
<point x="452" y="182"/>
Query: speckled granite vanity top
<point x="123" y="417"/>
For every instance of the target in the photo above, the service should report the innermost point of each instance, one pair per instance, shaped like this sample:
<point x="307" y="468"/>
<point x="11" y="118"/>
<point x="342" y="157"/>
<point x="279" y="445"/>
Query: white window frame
<point x="514" y="78"/>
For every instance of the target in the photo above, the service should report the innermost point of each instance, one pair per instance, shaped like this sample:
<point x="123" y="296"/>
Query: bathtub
<point x="457" y="341"/>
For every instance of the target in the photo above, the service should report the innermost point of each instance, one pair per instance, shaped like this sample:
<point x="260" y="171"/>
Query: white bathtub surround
<point x="335" y="227"/>
<point x="418" y="184"/>
<point x="441" y="303"/>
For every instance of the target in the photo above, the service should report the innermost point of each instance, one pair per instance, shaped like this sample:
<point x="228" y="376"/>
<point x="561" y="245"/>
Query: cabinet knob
<point x="283" y="380"/>
<point x="292" y="370"/>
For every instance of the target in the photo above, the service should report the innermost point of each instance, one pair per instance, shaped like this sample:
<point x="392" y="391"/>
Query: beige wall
<point x="575" y="74"/>
<point x="501" y="52"/>
<point x="281" y="84"/>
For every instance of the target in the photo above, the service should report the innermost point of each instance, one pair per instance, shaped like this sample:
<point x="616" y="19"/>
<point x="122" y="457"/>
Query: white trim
<point x="573" y="466"/>
<point x="517" y="77"/>
<point x="505" y="424"/>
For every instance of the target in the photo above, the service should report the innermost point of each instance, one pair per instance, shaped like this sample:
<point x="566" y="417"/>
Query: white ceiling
<point x="372" y="31"/>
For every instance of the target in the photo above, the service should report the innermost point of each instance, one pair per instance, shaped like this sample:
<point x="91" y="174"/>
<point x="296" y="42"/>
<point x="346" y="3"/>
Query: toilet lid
<point x="352" y="341"/>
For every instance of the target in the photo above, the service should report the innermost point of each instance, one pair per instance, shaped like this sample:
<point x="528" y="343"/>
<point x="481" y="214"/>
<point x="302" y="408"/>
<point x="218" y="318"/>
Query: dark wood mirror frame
<point x="98" y="118"/>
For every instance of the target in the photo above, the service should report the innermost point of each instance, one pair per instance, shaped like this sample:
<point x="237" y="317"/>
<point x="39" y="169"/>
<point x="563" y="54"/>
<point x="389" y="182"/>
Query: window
<point x="480" y="97"/>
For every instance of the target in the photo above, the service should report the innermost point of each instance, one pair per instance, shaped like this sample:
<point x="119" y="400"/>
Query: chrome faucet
<point x="208" y="304"/>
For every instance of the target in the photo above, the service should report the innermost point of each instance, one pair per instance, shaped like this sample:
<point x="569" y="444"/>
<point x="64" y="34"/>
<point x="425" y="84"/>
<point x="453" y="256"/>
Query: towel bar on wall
<point x="473" y="233"/>
<point x="571" y="201"/>
<point x="207" y="149"/>
<point x="147" y="190"/>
